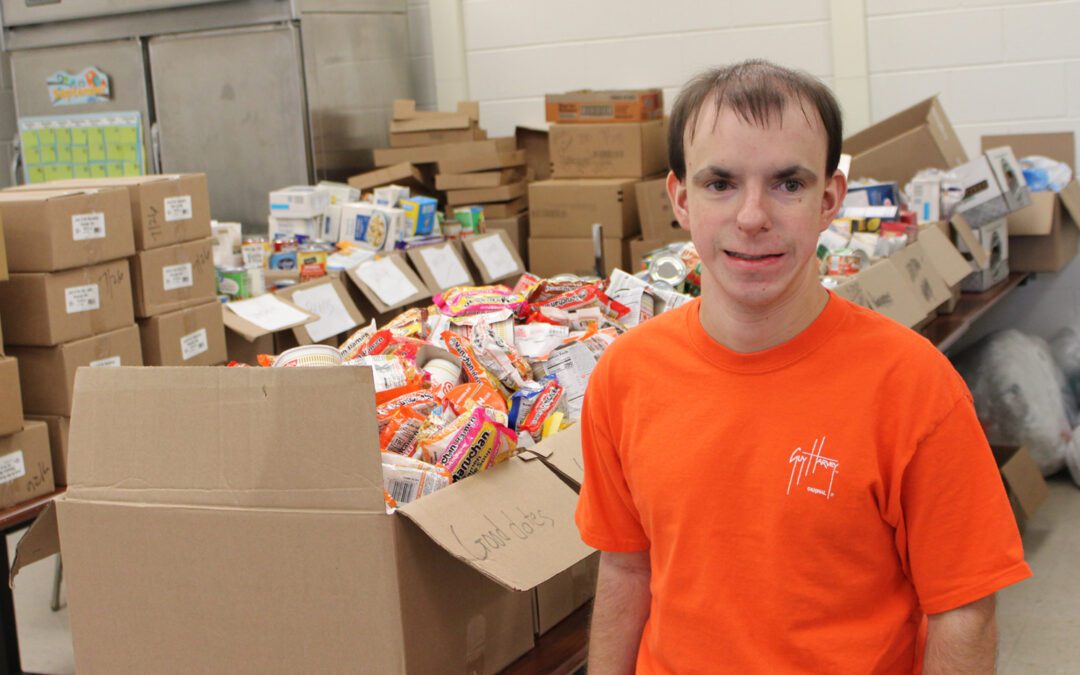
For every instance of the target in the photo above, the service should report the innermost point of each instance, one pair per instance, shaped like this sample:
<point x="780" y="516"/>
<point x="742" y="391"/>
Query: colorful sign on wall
<point x="89" y="86"/>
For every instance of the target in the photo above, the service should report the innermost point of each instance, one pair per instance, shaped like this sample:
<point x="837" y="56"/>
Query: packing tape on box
<point x="475" y="644"/>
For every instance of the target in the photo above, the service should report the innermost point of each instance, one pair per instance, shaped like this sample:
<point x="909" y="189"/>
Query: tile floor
<point x="1039" y="618"/>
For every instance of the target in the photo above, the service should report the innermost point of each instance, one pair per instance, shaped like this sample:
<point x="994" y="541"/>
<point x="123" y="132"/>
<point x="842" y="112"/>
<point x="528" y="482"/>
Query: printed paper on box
<point x="177" y="276"/>
<point x="267" y="312"/>
<point x="193" y="344"/>
<point x="445" y="266"/>
<point x="82" y="298"/>
<point x="110" y="362"/>
<point x="324" y="302"/>
<point x="12" y="466"/>
<point x="87" y="226"/>
<point x="496" y="257"/>
<point x="387" y="281"/>
<point x="178" y="208"/>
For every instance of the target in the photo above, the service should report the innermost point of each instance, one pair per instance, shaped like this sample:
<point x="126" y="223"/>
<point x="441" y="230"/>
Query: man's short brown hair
<point x="757" y="91"/>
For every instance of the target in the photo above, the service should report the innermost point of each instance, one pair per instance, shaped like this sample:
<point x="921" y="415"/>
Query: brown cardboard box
<point x="263" y="320"/>
<point x="415" y="139"/>
<point x="494" y="257"/>
<point x="897" y="148"/>
<point x="654" y="211"/>
<point x="1024" y="482"/>
<point x="549" y="256"/>
<point x="989" y="258"/>
<point x="884" y="289"/>
<point x="608" y="150"/>
<point x="508" y="209"/>
<point x="165" y="209"/>
<point x="569" y="208"/>
<point x="1043" y="237"/>
<point x="58" y="444"/>
<point x="240" y="349"/>
<point x="591" y="107"/>
<point x="438" y="580"/>
<point x="501" y="193"/>
<point x="48" y="373"/>
<point x="480" y="179"/>
<point x="441" y="266"/>
<point x="945" y="257"/>
<point x="25" y="465"/>
<point x="327" y="299"/>
<point x="174" y="277"/>
<point x="388" y="284"/>
<point x="11" y="407"/>
<point x="558" y="597"/>
<point x="399" y="174"/>
<point x="422" y="120"/>
<point x="515" y="227"/>
<point x="44" y="309"/>
<point x="534" y="142"/>
<point x="499" y="161"/>
<point x="927" y="283"/>
<point x="3" y="253"/>
<point x="194" y="336"/>
<point x="430" y="154"/>
<point x="50" y="230"/>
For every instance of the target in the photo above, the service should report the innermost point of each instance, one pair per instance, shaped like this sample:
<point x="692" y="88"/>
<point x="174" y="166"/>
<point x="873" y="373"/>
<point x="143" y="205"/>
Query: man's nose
<point x="752" y="215"/>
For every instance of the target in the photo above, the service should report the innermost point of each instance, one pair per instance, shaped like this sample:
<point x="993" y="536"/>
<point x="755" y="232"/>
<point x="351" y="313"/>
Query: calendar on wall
<point x="96" y="145"/>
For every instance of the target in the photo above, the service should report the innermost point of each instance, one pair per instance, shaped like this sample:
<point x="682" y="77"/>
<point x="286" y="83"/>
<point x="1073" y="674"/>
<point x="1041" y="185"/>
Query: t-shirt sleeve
<point x="606" y="515"/>
<point x="961" y="539"/>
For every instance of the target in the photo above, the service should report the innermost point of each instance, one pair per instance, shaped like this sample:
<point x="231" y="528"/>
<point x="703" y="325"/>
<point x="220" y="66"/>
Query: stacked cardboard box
<point x="601" y="144"/>
<point x="172" y="273"/>
<point x="66" y="304"/>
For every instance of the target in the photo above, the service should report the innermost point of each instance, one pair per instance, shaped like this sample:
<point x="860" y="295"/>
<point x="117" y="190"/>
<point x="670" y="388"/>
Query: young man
<point x="781" y="481"/>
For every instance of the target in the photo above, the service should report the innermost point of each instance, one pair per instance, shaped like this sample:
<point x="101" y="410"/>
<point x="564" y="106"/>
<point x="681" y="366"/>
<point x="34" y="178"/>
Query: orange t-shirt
<point x="804" y="506"/>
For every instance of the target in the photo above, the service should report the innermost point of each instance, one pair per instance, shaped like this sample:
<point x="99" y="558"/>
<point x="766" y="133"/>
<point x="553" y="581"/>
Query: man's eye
<point x="719" y="185"/>
<point x="791" y="185"/>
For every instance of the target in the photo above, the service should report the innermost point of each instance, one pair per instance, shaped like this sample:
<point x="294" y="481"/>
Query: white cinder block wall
<point x="421" y="61"/>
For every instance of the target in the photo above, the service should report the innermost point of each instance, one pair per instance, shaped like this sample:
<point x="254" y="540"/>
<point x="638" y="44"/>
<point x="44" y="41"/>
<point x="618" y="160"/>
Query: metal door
<point x="122" y="61"/>
<point x="231" y="103"/>
<point x="21" y="12"/>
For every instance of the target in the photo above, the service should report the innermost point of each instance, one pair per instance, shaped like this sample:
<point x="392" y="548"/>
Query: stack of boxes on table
<point x="105" y="272"/>
<point x="602" y="144"/>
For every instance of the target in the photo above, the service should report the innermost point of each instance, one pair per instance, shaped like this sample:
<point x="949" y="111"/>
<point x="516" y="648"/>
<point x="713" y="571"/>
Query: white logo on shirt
<point x="804" y="467"/>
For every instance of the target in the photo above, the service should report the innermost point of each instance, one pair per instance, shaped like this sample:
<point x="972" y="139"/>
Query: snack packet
<point x="547" y="403"/>
<point x="462" y="300"/>
<point x="476" y="444"/>
<point x="350" y="349"/>
<point x="406" y="479"/>
<point x="498" y="358"/>
<point x="399" y="434"/>
<point x="464" y="396"/>
<point x="461" y="348"/>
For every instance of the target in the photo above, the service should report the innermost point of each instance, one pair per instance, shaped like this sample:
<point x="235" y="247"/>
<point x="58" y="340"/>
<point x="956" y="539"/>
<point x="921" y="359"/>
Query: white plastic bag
<point x="1015" y="385"/>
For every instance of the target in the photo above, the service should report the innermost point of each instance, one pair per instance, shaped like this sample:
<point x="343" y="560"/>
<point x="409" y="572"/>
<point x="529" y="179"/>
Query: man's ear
<point x="676" y="190"/>
<point x="835" y="191"/>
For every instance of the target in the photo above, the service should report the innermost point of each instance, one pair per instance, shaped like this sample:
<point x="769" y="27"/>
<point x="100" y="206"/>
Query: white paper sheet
<point x="324" y="302"/>
<point x="387" y="281"/>
<point x="267" y="312"/>
<point x="445" y="267"/>
<point x="496" y="257"/>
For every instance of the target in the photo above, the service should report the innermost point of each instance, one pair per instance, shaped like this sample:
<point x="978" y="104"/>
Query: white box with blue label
<point x="419" y="215"/>
<point x="377" y="226"/>
<point x="299" y="201"/>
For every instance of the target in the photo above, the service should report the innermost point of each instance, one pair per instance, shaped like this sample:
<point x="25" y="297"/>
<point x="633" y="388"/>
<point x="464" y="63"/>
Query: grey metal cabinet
<point x="231" y="103"/>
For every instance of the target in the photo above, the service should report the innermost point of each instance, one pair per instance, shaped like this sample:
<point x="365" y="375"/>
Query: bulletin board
<point x="95" y="145"/>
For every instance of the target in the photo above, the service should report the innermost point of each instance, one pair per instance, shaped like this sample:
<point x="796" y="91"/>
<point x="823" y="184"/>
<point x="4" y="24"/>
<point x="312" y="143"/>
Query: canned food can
<point x="668" y="268"/>
<point x="285" y="242"/>
<point x="233" y="282"/>
<point x="255" y="252"/>
<point x="842" y="264"/>
<point x="307" y="356"/>
<point x="312" y="263"/>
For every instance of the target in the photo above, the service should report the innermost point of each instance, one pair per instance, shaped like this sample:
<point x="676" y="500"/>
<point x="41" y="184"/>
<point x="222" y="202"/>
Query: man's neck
<point x="745" y="330"/>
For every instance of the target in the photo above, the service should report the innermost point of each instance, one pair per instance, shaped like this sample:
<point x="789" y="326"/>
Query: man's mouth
<point x="745" y="256"/>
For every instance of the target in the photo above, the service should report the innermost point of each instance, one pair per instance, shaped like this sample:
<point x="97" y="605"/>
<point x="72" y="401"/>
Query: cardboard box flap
<point x="889" y="128"/>
<point x="251" y="330"/>
<point x="945" y="258"/>
<point x="1070" y="199"/>
<point x="562" y="453"/>
<point x="889" y="294"/>
<point x="1027" y="487"/>
<point x="1060" y="146"/>
<point x="289" y="438"/>
<point x="40" y="541"/>
<point x="513" y="523"/>
<point x="967" y="235"/>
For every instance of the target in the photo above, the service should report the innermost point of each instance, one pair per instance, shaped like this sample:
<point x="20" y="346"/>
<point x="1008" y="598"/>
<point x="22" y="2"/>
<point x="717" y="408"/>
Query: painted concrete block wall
<point x="8" y="120"/>
<point x="519" y="50"/>
<point x="420" y="54"/>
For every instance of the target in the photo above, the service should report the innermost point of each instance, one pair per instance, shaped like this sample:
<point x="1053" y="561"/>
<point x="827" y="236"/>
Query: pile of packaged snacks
<point x="465" y="383"/>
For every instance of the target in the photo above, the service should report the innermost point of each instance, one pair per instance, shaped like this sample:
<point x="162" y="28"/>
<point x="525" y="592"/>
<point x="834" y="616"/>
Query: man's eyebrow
<point x="713" y="171"/>
<point x="795" y="171"/>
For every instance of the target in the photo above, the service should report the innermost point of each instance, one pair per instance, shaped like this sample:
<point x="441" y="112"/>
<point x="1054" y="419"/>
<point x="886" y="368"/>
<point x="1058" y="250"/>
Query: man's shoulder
<point x="662" y="332"/>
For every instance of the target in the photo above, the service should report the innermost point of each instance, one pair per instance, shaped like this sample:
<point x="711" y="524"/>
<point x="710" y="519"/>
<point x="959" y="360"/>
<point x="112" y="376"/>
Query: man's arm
<point x="619" y="612"/>
<point x="962" y="640"/>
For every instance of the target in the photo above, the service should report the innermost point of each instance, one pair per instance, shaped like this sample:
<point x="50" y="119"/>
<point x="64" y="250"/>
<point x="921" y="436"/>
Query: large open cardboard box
<point x="1043" y="237"/>
<point x="898" y="147"/>
<point x="218" y="530"/>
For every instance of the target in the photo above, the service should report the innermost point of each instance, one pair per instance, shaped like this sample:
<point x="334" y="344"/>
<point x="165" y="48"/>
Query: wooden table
<point x="12" y="519"/>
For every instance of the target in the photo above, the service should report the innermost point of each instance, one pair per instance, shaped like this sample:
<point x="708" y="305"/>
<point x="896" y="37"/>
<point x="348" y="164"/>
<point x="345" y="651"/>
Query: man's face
<point x="755" y="200"/>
